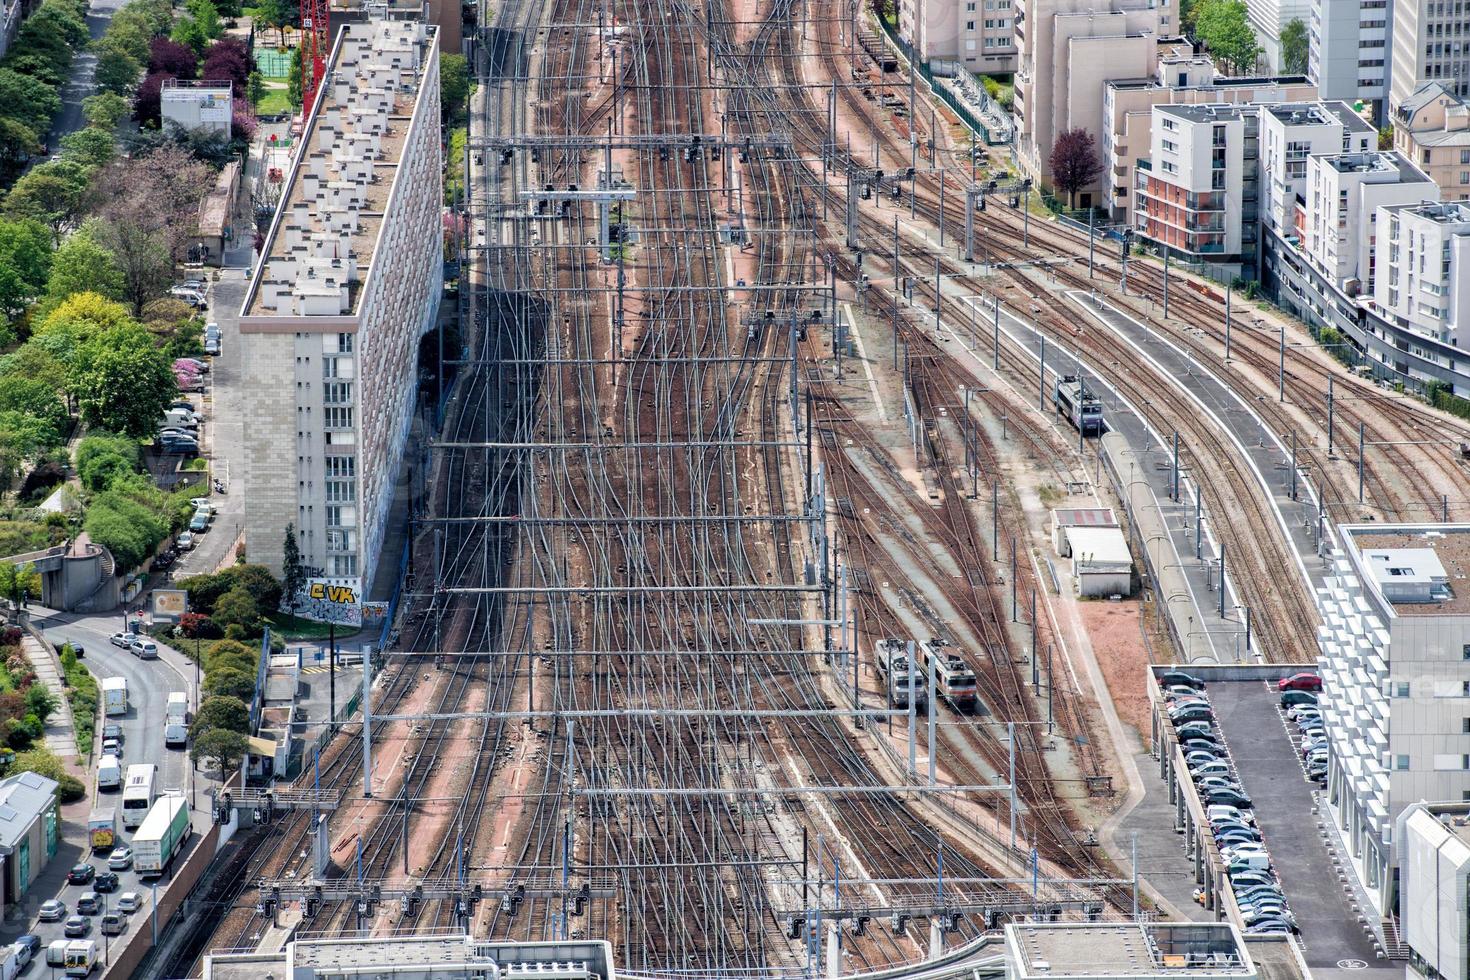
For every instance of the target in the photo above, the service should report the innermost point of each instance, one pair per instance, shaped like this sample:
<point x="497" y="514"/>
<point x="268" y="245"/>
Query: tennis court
<point x="274" y="63"/>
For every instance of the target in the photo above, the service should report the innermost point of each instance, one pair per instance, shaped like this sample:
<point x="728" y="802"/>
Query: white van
<point x="109" y="773"/>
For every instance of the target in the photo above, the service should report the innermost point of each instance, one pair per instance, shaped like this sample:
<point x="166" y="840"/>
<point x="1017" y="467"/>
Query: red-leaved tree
<point x="147" y="104"/>
<point x="1074" y="162"/>
<point x="172" y="58"/>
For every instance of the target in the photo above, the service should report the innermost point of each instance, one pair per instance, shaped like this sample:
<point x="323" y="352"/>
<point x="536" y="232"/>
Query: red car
<point x="1300" y="682"/>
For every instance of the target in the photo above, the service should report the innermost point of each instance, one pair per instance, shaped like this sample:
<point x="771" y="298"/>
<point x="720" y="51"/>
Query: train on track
<point x="954" y="681"/>
<point x="1077" y="405"/>
<point x="902" y="679"/>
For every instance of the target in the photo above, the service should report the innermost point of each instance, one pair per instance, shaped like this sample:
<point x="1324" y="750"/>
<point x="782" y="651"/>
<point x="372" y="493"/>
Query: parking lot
<point x="1267" y="764"/>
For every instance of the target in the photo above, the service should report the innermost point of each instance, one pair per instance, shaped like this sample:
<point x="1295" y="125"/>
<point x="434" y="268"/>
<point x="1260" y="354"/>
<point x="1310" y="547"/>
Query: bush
<point x="82" y="694"/>
<point x="47" y="764"/>
<point x="197" y="626"/>
<point x="221" y="711"/>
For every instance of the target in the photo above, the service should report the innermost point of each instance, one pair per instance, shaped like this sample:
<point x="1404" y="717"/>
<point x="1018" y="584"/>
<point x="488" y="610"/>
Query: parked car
<point x="1230" y="812"/>
<point x="111" y="746"/>
<point x="52" y="910"/>
<point x="121" y="858"/>
<point x="112" y="730"/>
<point x="193" y="297"/>
<point x="1297" y="697"/>
<point x="1214" y="767"/>
<point x="1191" y="712"/>
<point x="76" y="927"/>
<point x="1173" y="677"/>
<point x="88" y="903"/>
<point x="178" y="447"/>
<point x="107" y="881"/>
<point x="1193" y="729"/>
<point x="26" y="948"/>
<point x="123" y="640"/>
<point x="81" y="874"/>
<point x="113" y="924"/>
<point x="1304" y="681"/>
<point x="1268" y="927"/>
<point x="202" y="505"/>
<point x="185" y="540"/>
<point x="1200" y="757"/>
<point x="144" y="649"/>
<point x="1295" y="711"/>
<point x="199" y="523"/>
<point x="1228" y="797"/>
<point x="129" y="902"/>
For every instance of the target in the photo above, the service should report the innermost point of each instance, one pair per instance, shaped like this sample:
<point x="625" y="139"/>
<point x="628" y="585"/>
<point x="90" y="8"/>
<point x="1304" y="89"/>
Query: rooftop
<point x="1319" y="114"/>
<point x="1448" y="213"/>
<point x="323" y="242"/>
<point x="426" y="957"/>
<point x="1214" y="112"/>
<point x="1196" y="949"/>
<point x="1419" y="570"/>
<point x="23" y="797"/>
<point x="1376" y="162"/>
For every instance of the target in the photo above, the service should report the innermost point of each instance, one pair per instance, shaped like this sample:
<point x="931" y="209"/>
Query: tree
<point x="1385" y="138"/>
<point x="22" y="436"/>
<point x="1074" y="162"/>
<point x="17" y="142"/>
<point x="173" y="58"/>
<point x="148" y="102"/>
<point x="295" y="88"/>
<point x="141" y="257"/>
<point x="51" y="194"/>
<point x="229" y="60"/>
<point x="454" y="86"/>
<point x="28" y="100"/>
<point x="1223" y="27"/>
<point x="1294" y="47"/>
<point x="82" y="265"/>
<point x="221" y="711"/>
<point x="230" y="682"/>
<point x="273" y="13"/>
<point x="122" y="383"/>
<point x="190" y="33"/>
<point x="105" y="111"/>
<point x="84" y="315"/>
<point x="221" y="749"/>
<point x="206" y="16"/>
<point x="25" y="261"/>
<point x="117" y="70"/>
<point x="238" y="606"/>
<point x="293" y="572"/>
<point x="91" y="147"/>
<point x="254" y="89"/>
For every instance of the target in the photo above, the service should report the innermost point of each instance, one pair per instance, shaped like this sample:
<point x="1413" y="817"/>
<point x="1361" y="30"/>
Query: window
<point x="341" y="467"/>
<point x="1401" y="763"/>
<point x="1465" y="725"/>
<point x="337" y="418"/>
<point x="1401" y="689"/>
<point x="1465" y="176"/>
<point x="337" y="393"/>
<point x="344" y="343"/>
<point x="1465" y="652"/>
<point x="344" y="565"/>
<point x="970" y="24"/>
<point x="1465" y="158"/>
<point x="341" y="491"/>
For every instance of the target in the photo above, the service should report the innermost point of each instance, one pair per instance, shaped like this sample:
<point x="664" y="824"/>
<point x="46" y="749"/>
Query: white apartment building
<point x="348" y="280"/>
<point x="1068" y="51"/>
<point x="1183" y="77"/>
<point x="976" y="35"/>
<point x="1431" y="43"/>
<point x="1196" y="192"/>
<point x="1344" y="192"/>
<point x="1434" y="882"/>
<point x="1423" y="277"/>
<point x="1290" y="133"/>
<point x="1432" y="128"/>
<point x="1395" y="666"/>
<point x="1268" y="18"/>
<point x="1348" y="50"/>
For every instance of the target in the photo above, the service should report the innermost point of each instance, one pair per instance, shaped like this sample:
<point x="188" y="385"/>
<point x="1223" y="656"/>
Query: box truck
<point x="102" y="828"/>
<point x="115" y="695"/>
<point x="163" y="831"/>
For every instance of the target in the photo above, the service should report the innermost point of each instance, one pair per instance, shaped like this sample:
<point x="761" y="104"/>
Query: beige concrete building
<point x="1182" y="78"/>
<point x="977" y="35"/>
<point x="348" y="281"/>
<point x="1432" y="128"/>
<point x="1069" y="50"/>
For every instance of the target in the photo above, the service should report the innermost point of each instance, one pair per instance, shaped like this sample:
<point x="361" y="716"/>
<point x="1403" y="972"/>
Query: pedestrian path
<point x="61" y="735"/>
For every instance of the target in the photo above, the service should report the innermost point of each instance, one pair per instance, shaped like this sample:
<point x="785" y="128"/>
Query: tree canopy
<point x="1295" y="48"/>
<point x="1224" y="29"/>
<point x="1074" y="161"/>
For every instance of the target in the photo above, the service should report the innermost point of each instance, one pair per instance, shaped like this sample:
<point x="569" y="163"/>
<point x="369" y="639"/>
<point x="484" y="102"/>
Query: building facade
<point x="976" y="35"/>
<point x="1344" y="193"/>
<point x="1423" y="280"/>
<point x="1431" y="43"/>
<point x="1183" y="77"/>
<point x="1291" y="132"/>
<point x="1197" y="193"/>
<point x="1068" y="50"/>
<point x="1432" y="128"/>
<point x="1395" y="666"/>
<point x="197" y="105"/>
<point x="1434" y="882"/>
<point x="30" y="832"/>
<point x="1348" y="50"/>
<point x="348" y="281"/>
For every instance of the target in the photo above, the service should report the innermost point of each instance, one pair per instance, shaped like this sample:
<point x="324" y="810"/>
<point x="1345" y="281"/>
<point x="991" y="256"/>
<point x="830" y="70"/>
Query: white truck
<point x="114" y="695"/>
<point x="81" y="957"/>
<point x="163" y="831"/>
<point x="176" y="720"/>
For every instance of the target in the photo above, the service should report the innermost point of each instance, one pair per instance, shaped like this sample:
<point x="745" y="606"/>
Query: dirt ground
<point x="1118" y="645"/>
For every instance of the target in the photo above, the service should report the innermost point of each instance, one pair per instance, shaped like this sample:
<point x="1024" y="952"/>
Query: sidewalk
<point x="61" y="737"/>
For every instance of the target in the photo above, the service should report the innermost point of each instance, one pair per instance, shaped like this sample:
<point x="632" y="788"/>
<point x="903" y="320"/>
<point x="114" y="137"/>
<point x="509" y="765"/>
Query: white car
<point x="184" y="541"/>
<point x="121" y="858"/>
<point x="202" y="505"/>
<point x="128" y="902"/>
<point x="144" y="649"/>
<point x="124" y="640"/>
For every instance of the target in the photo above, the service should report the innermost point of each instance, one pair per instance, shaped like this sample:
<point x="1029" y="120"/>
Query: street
<point x="79" y="78"/>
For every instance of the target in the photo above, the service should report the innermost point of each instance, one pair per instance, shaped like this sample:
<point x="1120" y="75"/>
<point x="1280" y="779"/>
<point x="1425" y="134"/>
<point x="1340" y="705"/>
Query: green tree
<point x="17" y="143"/>
<point x="1385" y="138"/>
<point x="13" y="580"/>
<point x="81" y="265"/>
<point x="33" y="397"/>
<point x="237" y="606"/>
<point x="295" y="87"/>
<point x="84" y="314"/>
<point x="205" y="13"/>
<point x="105" y="111"/>
<point x="293" y="572"/>
<point x="51" y="194"/>
<point x="117" y="70"/>
<point x="141" y="255"/>
<point x="222" y="712"/>
<point x="188" y="30"/>
<point x="92" y="147"/>
<point x="22" y="436"/>
<point x="219" y="748"/>
<point x="255" y="89"/>
<point x="1222" y="26"/>
<point x="25" y="261"/>
<point x="1294" y="47"/>
<point x="230" y="682"/>
<point x="454" y="87"/>
<point x="122" y="383"/>
<point x="28" y="99"/>
<point x="273" y="13"/>
<point x="128" y="519"/>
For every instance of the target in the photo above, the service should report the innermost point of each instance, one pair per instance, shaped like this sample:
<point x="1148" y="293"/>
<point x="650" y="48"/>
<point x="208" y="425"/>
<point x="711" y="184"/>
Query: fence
<point x="958" y="107"/>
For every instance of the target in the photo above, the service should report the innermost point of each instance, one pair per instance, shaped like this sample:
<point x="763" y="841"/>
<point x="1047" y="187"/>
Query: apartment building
<point x="1183" y="77"/>
<point x="1290" y="133"/>
<point x="1068" y="50"/>
<point x="1395" y="665"/>
<point x="1423" y="279"/>
<point x="348" y="280"/>
<point x="977" y="35"/>
<point x="1344" y="193"/>
<point x="1268" y="18"/>
<point x="1348" y="50"/>
<point x="1431" y="43"/>
<point x="1432" y="128"/>
<point x="1197" y="192"/>
<point x="1433" y="845"/>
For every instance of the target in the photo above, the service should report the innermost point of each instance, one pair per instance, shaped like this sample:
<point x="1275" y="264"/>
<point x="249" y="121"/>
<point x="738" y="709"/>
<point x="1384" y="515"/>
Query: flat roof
<point x="1084" y="517"/>
<point x="1376" y="161"/>
<point x="443" y="955"/>
<point x="1163" y="949"/>
<point x="1412" y="556"/>
<point x="1319" y="114"/>
<point x="1099" y="546"/>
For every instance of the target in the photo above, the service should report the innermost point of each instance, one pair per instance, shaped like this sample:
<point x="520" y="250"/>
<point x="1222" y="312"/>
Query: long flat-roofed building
<point x="423" y="957"/>
<point x="1135" y="950"/>
<point x="348" y="281"/>
<point x="1395" y="668"/>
